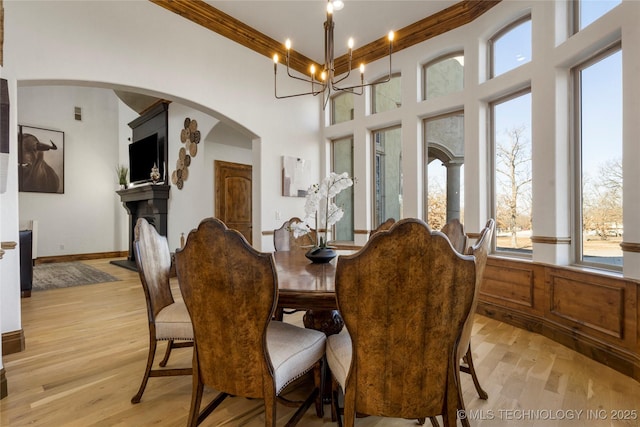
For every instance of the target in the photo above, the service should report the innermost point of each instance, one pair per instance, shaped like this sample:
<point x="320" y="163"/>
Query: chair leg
<point x="434" y="422"/>
<point x="336" y="411"/>
<point x="318" y="380"/>
<point x="196" y="398"/>
<point x="147" y="371"/>
<point x="349" y="408"/>
<point x="167" y="353"/>
<point x="269" y="410"/>
<point x="469" y="359"/>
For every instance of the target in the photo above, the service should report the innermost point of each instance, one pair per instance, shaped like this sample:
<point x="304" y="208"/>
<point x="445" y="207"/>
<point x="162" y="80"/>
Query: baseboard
<point x="80" y="257"/>
<point x="12" y="342"/>
<point x="4" y="390"/>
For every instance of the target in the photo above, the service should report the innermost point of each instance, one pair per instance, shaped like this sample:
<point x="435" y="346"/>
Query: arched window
<point x="585" y="12"/>
<point x="510" y="47"/>
<point x="443" y="76"/>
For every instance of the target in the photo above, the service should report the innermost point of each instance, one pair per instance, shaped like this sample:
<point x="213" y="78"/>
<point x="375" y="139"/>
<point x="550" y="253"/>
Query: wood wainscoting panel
<point x="594" y="313"/>
<point x="509" y="284"/>
<point x="581" y="301"/>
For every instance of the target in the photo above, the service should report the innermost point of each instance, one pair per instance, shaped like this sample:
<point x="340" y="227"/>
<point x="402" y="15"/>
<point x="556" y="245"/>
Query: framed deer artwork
<point x="40" y="160"/>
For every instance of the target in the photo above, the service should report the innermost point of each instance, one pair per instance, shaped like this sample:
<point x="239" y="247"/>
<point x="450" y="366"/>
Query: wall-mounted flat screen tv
<point x="142" y="156"/>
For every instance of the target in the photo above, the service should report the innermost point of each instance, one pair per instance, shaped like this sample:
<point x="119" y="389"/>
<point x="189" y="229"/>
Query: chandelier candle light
<point x="320" y="208"/>
<point x="326" y="82"/>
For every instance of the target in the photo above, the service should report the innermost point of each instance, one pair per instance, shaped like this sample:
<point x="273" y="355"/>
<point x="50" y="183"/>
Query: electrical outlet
<point x="61" y="247"/>
<point x="277" y="215"/>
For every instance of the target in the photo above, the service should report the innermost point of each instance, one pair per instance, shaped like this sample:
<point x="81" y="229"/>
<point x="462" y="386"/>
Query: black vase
<point x="320" y="255"/>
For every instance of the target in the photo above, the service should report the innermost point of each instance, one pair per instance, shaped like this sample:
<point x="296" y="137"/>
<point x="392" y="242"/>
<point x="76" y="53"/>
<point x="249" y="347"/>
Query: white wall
<point x="83" y="219"/>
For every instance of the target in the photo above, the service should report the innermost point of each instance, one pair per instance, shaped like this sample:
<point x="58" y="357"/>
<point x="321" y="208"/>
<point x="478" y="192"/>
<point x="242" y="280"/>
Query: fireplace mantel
<point x="150" y="202"/>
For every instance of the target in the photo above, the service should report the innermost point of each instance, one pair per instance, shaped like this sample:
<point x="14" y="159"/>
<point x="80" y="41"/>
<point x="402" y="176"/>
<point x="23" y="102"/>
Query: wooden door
<point x="233" y="196"/>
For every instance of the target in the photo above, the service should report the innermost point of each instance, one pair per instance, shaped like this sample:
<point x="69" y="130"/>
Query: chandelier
<point x="325" y="81"/>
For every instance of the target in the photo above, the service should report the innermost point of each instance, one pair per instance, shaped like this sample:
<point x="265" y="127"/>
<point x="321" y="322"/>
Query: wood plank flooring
<point x="86" y="349"/>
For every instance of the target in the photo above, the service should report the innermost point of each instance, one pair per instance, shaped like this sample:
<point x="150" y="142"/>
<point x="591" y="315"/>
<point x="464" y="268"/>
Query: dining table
<point x="304" y="285"/>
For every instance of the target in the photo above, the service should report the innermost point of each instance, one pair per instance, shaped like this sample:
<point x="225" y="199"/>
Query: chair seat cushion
<point x="173" y="323"/>
<point x="339" y="353"/>
<point x="293" y="351"/>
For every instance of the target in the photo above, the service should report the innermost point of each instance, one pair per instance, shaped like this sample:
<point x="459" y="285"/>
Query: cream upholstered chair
<point x="168" y="319"/>
<point x="231" y="291"/>
<point x="407" y="275"/>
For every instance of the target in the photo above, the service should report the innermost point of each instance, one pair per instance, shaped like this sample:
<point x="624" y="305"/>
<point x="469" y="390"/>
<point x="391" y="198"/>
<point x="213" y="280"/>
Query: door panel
<point x="233" y="196"/>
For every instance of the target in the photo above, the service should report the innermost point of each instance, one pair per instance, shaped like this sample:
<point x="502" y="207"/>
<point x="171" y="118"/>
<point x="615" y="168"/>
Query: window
<point x="587" y="11"/>
<point x="387" y="169"/>
<point x="598" y="118"/>
<point x="343" y="162"/>
<point x="387" y="96"/>
<point x="444" y="145"/>
<point x="511" y="47"/>
<point x="342" y="108"/>
<point x="443" y="76"/>
<point x="511" y="138"/>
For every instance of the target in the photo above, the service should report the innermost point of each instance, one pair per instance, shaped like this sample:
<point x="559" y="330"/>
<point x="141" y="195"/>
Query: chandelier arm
<point x="312" y="92"/>
<point x="351" y="89"/>
<point x="343" y="78"/>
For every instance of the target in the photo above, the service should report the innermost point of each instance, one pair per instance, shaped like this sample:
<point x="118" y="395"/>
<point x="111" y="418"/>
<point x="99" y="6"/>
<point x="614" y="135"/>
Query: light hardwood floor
<point x="86" y="349"/>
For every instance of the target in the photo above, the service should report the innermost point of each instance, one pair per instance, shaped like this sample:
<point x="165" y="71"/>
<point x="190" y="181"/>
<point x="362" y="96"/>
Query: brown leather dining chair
<point x="168" y="319"/>
<point x="404" y="298"/>
<point x="231" y="291"/>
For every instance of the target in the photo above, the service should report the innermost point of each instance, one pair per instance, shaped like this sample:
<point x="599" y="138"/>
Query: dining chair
<point x="454" y="230"/>
<point x="404" y="298"/>
<point x="480" y="251"/>
<point x="231" y="290"/>
<point x="284" y="240"/>
<point x="384" y="226"/>
<point x="168" y="319"/>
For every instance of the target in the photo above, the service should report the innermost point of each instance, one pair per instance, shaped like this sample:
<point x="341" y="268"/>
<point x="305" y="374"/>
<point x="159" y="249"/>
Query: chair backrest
<point x="284" y="240"/>
<point x="384" y="226"/>
<point x="153" y="260"/>
<point x="455" y="232"/>
<point x="404" y="298"/>
<point x="480" y="251"/>
<point x="230" y="291"/>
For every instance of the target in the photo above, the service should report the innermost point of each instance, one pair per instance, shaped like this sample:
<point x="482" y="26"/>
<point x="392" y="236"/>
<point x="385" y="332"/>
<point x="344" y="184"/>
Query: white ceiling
<point x="302" y="20"/>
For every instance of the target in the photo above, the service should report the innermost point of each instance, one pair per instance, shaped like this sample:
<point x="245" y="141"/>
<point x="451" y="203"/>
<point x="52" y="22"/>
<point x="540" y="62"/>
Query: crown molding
<point x="226" y="25"/>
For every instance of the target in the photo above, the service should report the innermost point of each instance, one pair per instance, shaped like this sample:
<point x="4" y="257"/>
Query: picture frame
<point x="40" y="160"/>
<point x="296" y="176"/>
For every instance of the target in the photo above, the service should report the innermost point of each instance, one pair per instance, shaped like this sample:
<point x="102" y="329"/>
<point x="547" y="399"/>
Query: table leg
<point x="328" y="321"/>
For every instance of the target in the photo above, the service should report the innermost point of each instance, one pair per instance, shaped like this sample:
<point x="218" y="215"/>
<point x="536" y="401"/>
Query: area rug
<point x="67" y="274"/>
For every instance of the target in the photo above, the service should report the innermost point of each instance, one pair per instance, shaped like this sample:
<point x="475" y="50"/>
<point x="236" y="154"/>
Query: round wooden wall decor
<point x="190" y="137"/>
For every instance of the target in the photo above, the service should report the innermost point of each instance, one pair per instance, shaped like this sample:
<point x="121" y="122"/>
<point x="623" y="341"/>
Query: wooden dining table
<point x="304" y="285"/>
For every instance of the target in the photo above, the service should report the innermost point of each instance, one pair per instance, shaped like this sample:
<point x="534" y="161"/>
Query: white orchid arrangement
<point x="321" y="208"/>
